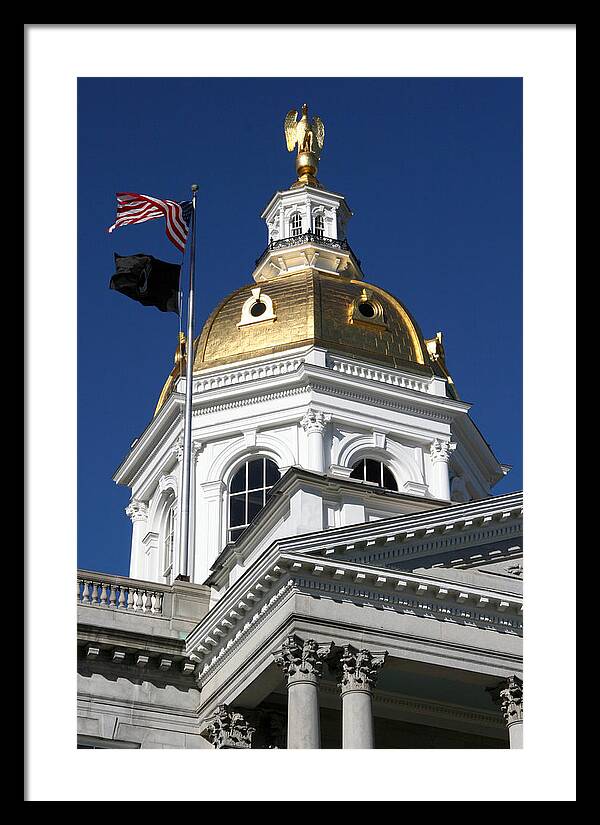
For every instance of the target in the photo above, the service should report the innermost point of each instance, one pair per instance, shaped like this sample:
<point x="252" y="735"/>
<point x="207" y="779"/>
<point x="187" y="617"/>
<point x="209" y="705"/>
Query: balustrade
<point x="116" y="593"/>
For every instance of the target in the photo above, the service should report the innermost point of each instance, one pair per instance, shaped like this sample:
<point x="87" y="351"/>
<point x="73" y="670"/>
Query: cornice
<point x="259" y="591"/>
<point x="484" y="514"/>
<point x="269" y="379"/>
<point x="326" y="195"/>
<point x="142" y="446"/>
<point x="307" y="377"/>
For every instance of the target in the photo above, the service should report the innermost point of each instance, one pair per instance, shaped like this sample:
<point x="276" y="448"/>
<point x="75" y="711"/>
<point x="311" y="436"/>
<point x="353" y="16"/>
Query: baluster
<point x="146" y="601"/>
<point x="103" y="595"/>
<point x="113" y="596"/>
<point x="121" y="597"/>
<point x="94" y="592"/>
<point x="131" y="598"/>
<point x="85" y="595"/>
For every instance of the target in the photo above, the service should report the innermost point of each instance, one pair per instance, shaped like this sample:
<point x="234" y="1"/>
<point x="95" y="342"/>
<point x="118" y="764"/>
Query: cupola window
<point x="249" y="490"/>
<point x="296" y="225"/>
<point x="319" y="226"/>
<point x="368" y="469"/>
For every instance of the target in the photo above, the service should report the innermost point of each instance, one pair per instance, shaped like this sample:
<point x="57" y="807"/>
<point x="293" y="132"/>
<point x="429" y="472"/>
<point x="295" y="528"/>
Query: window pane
<point x="256" y="476"/>
<point x="255" y="503"/>
<point x="358" y="470"/>
<point x="389" y="482"/>
<point x="235" y="534"/>
<point x="237" y="510"/>
<point x="272" y="472"/>
<point x="238" y="482"/>
<point x="373" y="471"/>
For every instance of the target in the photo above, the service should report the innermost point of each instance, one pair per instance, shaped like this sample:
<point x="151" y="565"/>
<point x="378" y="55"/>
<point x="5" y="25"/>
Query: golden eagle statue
<point x="309" y="136"/>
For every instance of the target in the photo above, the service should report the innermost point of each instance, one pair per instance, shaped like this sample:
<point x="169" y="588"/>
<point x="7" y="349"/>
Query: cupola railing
<point x="308" y="237"/>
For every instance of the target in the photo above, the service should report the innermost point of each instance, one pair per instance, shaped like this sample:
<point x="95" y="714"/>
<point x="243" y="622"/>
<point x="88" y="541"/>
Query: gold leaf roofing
<point x="318" y="309"/>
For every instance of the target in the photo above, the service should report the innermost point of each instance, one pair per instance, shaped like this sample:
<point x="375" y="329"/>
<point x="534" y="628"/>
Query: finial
<point x="309" y="136"/>
<point x="194" y="187"/>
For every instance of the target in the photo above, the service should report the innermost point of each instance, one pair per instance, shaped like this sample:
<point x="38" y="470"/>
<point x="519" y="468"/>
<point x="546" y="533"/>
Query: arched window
<point x="168" y="542"/>
<point x="319" y="226"/>
<point x="368" y="469"/>
<point x="296" y="225"/>
<point x="249" y="490"/>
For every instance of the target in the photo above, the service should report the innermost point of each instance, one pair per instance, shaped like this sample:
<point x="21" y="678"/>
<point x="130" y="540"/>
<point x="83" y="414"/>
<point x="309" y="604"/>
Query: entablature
<point x="278" y="577"/>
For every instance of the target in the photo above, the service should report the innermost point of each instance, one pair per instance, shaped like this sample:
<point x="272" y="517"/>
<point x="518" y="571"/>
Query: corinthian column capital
<point x="359" y="668"/>
<point x="137" y="510"/>
<point x="509" y="695"/>
<point x="303" y="659"/>
<point x="228" y="729"/>
<point x="440" y="450"/>
<point x="314" y="421"/>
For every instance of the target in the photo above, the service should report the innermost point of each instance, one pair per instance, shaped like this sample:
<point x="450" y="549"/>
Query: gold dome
<point x="313" y="308"/>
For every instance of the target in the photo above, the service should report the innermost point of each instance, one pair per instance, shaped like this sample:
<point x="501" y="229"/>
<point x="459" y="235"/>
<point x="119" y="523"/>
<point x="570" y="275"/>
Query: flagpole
<point x="187" y="424"/>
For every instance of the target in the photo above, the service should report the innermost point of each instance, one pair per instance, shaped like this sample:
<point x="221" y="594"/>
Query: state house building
<point x="351" y="582"/>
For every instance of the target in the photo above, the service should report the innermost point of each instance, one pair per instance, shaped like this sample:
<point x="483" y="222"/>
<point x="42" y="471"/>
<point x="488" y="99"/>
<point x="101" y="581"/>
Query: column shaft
<point x="515" y="735"/>
<point x="357" y="719"/>
<point x="440" y="457"/>
<point x="304" y="726"/>
<point x="315" y="451"/>
<point x="358" y="669"/>
<point x="302" y="662"/>
<point x="442" y="480"/>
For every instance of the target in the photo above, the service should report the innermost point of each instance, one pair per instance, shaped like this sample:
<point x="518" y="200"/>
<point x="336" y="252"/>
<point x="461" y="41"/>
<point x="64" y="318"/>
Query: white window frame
<point x="319" y="225"/>
<point x="168" y="541"/>
<point x="295" y="225"/>
<point x="239" y="528"/>
<point x="382" y="464"/>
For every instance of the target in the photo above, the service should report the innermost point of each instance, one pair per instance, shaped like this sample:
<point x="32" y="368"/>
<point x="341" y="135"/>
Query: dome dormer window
<point x="257" y="308"/>
<point x="367" y="310"/>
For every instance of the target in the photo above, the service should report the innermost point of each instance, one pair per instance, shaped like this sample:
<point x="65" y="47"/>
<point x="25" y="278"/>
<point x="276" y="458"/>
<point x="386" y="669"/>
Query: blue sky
<point x="432" y="169"/>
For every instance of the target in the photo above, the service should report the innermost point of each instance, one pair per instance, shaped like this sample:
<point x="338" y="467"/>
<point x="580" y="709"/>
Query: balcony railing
<point x="308" y="237"/>
<point x="121" y="593"/>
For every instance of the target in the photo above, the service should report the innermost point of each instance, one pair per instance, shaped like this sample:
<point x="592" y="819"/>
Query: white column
<point x="509" y="695"/>
<point x="313" y="424"/>
<point x="210" y="532"/>
<point x="197" y="447"/>
<point x="302" y="662"/>
<point x="440" y="456"/>
<point x="359" y="675"/>
<point x="138" y="513"/>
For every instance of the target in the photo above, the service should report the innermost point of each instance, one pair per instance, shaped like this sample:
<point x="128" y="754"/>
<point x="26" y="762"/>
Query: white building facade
<point x="351" y="580"/>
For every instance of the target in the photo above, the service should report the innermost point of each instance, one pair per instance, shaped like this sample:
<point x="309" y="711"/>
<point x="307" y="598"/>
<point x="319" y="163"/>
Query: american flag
<point x="134" y="208"/>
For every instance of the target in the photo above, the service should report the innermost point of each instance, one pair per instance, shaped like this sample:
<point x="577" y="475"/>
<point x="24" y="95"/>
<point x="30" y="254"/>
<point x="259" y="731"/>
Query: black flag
<point x="152" y="282"/>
